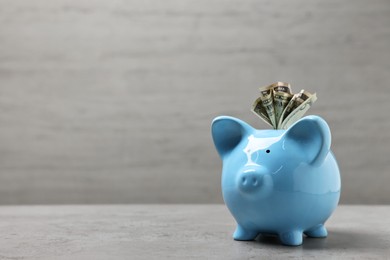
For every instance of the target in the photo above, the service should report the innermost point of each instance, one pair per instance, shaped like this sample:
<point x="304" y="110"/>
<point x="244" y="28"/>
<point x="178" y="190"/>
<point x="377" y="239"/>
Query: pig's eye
<point x="267" y="151"/>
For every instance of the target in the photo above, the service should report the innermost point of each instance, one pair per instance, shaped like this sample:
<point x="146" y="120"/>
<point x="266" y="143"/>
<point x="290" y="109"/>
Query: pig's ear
<point x="309" y="138"/>
<point x="228" y="132"/>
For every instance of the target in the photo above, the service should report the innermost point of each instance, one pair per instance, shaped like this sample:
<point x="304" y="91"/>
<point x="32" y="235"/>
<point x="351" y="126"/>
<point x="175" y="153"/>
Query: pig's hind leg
<point x="291" y="238"/>
<point x="244" y="234"/>
<point x="317" y="231"/>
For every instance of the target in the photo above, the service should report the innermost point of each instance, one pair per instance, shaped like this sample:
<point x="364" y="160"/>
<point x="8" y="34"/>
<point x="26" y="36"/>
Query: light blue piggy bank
<point x="283" y="182"/>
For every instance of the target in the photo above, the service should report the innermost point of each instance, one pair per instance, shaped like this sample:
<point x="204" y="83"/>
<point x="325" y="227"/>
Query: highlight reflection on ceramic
<point x="283" y="182"/>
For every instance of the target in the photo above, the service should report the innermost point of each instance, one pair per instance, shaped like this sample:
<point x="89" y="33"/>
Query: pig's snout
<point x="250" y="181"/>
<point x="254" y="181"/>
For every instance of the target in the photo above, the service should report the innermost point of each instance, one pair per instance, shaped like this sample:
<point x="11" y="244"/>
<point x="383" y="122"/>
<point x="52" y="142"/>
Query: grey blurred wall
<point x="111" y="101"/>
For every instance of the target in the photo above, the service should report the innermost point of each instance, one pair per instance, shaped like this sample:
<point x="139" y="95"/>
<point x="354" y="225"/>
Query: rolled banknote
<point x="281" y="87"/>
<point x="303" y="101"/>
<point x="260" y="111"/>
<point x="267" y="100"/>
<point x="282" y="96"/>
<point x="289" y="107"/>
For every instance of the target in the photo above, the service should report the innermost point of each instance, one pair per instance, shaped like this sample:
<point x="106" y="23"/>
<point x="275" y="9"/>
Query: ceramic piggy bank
<point x="283" y="182"/>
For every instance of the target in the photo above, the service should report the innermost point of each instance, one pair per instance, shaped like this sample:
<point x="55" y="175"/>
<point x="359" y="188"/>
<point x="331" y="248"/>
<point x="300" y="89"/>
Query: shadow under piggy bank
<point x="337" y="240"/>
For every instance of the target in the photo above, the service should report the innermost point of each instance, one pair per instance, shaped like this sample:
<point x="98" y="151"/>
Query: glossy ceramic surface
<point x="283" y="182"/>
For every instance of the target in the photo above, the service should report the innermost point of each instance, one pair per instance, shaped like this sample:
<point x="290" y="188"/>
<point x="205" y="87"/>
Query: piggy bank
<point x="283" y="182"/>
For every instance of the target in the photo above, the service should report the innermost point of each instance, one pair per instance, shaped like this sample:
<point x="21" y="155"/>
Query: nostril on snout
<point x="254" y="181"/>
<point x="250" y="181"/>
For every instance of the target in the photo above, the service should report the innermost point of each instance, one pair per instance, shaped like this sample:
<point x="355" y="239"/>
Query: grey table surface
<point x="176" y="232"/>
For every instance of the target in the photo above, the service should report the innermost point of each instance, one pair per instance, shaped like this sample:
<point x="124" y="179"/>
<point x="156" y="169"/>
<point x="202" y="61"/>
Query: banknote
<point x="282" y="96"/>
<point x="267" y="100"/>
<point x="301" y="104"/>
<point x="295" y="101"/>
<point x="281" y="87"/>
<point x="279" y="107"/>
<point x="260" y="111"/>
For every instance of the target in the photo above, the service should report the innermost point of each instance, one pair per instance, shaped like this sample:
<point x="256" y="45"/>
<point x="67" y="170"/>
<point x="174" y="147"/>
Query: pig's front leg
<point x="244" y="234"/>
<point x="318" y="231"/>
<point x="291" y="238"/>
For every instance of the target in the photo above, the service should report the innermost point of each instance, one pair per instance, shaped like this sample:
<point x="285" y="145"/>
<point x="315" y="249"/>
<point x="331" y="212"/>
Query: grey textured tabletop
<point x="176" y="232"/>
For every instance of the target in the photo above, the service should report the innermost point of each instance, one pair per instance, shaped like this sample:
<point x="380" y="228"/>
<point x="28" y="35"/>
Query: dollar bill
<point x="260" y="111"/>
<point x="282" y="96"/>
<point x="267" y="100"/>
<point x="302" y="103"/>
<point x="279" y="108"/>
<point x="290" y="107"/>
<point x="281" y="87"/>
